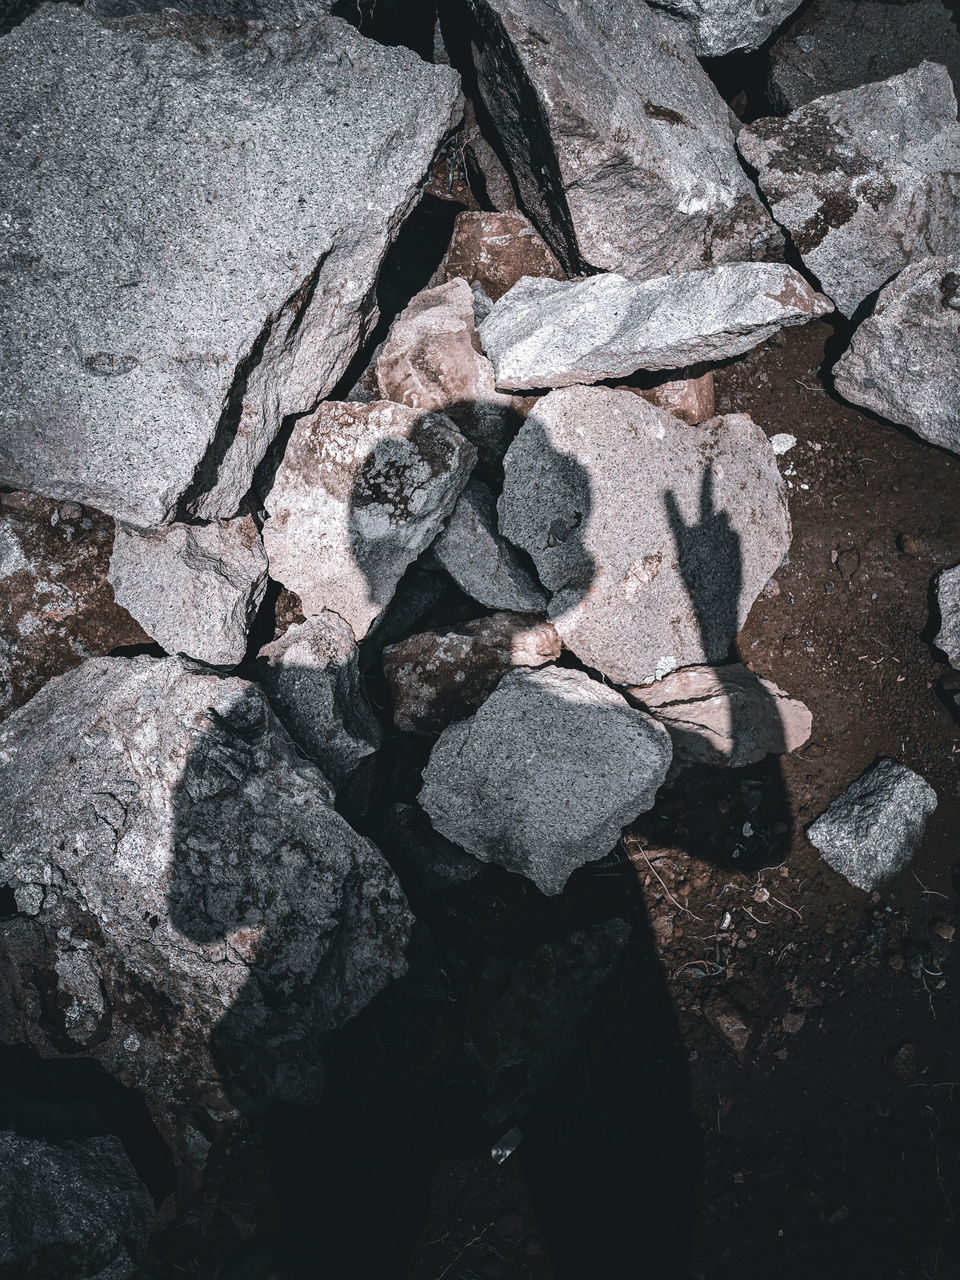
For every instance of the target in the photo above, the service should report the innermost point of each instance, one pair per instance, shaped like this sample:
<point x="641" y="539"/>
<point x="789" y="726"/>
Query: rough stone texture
<point x="904" y="359"/>
<point x="198" y="227"/>
<point x="436" y="677"/>
<point x="716" y="27"/>
<point x="656" y="537"/>
<point x="56" y="606"/>
<point x="841" y="44"/>
<point x="620" y="145"/>
<point x="495" y="250"/>
<point x="691" y="399"/>
<point x="948" y="600"/>
<point x="481" y="562"/>
<point x="483" y="165"/>
<point x="865" y="181"/>
<point x="725" y="715"/>
<point x="554" y="333"/>
<point x="283" y="12"/>
<point x="195" y="589"/>
<point x="191" y="910"/>
<point x="72" y="1210"/>
<point x="362" y="490"/>
<point x="432" y="360"/>
<point x="312" y="679"/>
<point x="872" y="831"/>
<point x="506" y="787"/>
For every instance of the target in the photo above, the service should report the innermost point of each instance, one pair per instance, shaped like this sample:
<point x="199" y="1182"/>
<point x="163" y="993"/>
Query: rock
<point x="312" y="678"/>
<point x="554" y="333"/>
<point x="730" y="1022"/>
<point x="496" y="250"/>
<point x="903" y="362"/>
<point x="841" y="44"/>
<point x="725" y="715"/>
<point x="432" y="360"/>
<point x="195" y="250"/>
<point x="782" y="442"/>
<point x="480" y="561"/>
<point x="191" y="910"/>
<point x="620" y="146"/>
<point x="484" y="166"/>
<point x="717" y="27"/>
<point x="436" y="677"/>
<point x="947" y="638"/>
<point x="195" y="589"/>
<point x="56" y="606"/>
<point x="872" y="831"/>
<point x="505" y="786"/>
<point x="362" y="490"/>
<point x="282" y="12"/>
<point x="865" y="181"/>
<point x="71" y="1210"/>
<point x="691" y="399"/>
<point x="654" y="536"/>
<point x="425" y="861"/>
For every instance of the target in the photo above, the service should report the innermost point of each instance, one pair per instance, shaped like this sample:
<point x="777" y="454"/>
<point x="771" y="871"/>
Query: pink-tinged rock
<point x="437" y="678"/>
<point x="691" y="399"/>
<point x="495" y="250"/>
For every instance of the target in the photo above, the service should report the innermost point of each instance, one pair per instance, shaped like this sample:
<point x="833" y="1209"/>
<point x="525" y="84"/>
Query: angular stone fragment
<point x="495" y="250"/>
<point x="656" y="537"/>
<point x="948" y="599"/>
<point x="903" y="362"/>
<point x="192" y="911"/>
<point x="362" y="490"/>
<point x="195" y="589"/>
<point x="872" y="831"/>
<point x="312" y="679"/>
<point x="724" y="715"/>
<point x="506" y="787"/>
<point x="716" y="27"/>
<point x="554" y="333"/>
<point x="620" y="145"/>
<point x="435" y="678"/>
<point x="194" y="246"/>
<point x="691" y="399"/>
<point x="480" y="561"/>
<point x="865" y="181"/>
<point x="841" y="44"/>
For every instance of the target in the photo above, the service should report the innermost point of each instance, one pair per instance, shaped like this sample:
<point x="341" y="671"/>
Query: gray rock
<point x="480" y="561"/>
<point x="555" y="333"/>
<point x="654" y="536"/>
<point x="426" y="862"/>
<point x="865" y="181"/>
<point x="362" y="490"/>
<point x="192" y="911"/>
<point x="312" y="679"/>
<point x="195" y="589"/>
<point x="716" y="27"/>
<point x="840" y="44"/>
<point x="903" y="362"/>
<point x="505" y="786"/>
<point x="948" y="599"/>
<point x="281" y="12"/>
<point x="620" y="145"/>
<point x="193" y="248"/>
<point x="872" y="831"/>
<point x="71" y="1210"/>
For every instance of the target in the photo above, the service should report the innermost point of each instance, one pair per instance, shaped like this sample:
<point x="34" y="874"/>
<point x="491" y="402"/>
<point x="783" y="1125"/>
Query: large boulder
<point x="505" y="785"/>
<point x="654" y="536"/>
<point x="554" y="333"/>
<point x="620" y="145"/>
<point x="903" y="362"/>
<point x="201" y="215"/>
<point x="717" y="27"/>
<point x="865" y="181"/>
<point x="947" y="638"/>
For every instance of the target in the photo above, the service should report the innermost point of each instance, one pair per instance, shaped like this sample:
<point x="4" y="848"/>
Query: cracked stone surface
<point x="716" y="27"/>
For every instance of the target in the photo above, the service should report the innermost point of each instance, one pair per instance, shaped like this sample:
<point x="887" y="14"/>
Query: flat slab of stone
<point x="654" y="536"/>
<point x="903" y="361"/>
<point x="948" y="601"/>
<point x="865" y="181"/>
<point x="717" y="27"/>
<point x="495" y="250"/>
<point x="199" y="224"/>
<point x="872" y="831"/>
<point x="505" y="785"/>
<point x="557" y="333"/>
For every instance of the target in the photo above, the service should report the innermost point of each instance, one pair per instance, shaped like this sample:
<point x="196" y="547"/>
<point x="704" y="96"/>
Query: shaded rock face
<point x="194" y="589"/>
<point x="427" y="863"/>
<point x="716" y="27"/>
<point x="620" y="144"/>
<point x="362" y="490"/>
<point x="436" y="678"/>
<point x="873" y="830"/>
<point x="196" y="242"/>
<point x="654" y="536"/>
<point x="948" y="600"/>
<point x="73" y="1210"/>
<point x="191" y="910"/>
<point x="56" y="605"/>
<point x="691" y="399"/>
<point x="865" y="181"/>
<point x="505" y="786"/>
<point x="904" y="359"/>
<point x="495" y="250"/>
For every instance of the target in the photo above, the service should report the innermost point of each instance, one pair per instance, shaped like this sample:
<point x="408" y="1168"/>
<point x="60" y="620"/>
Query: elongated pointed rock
<point x="717" y="27"/>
